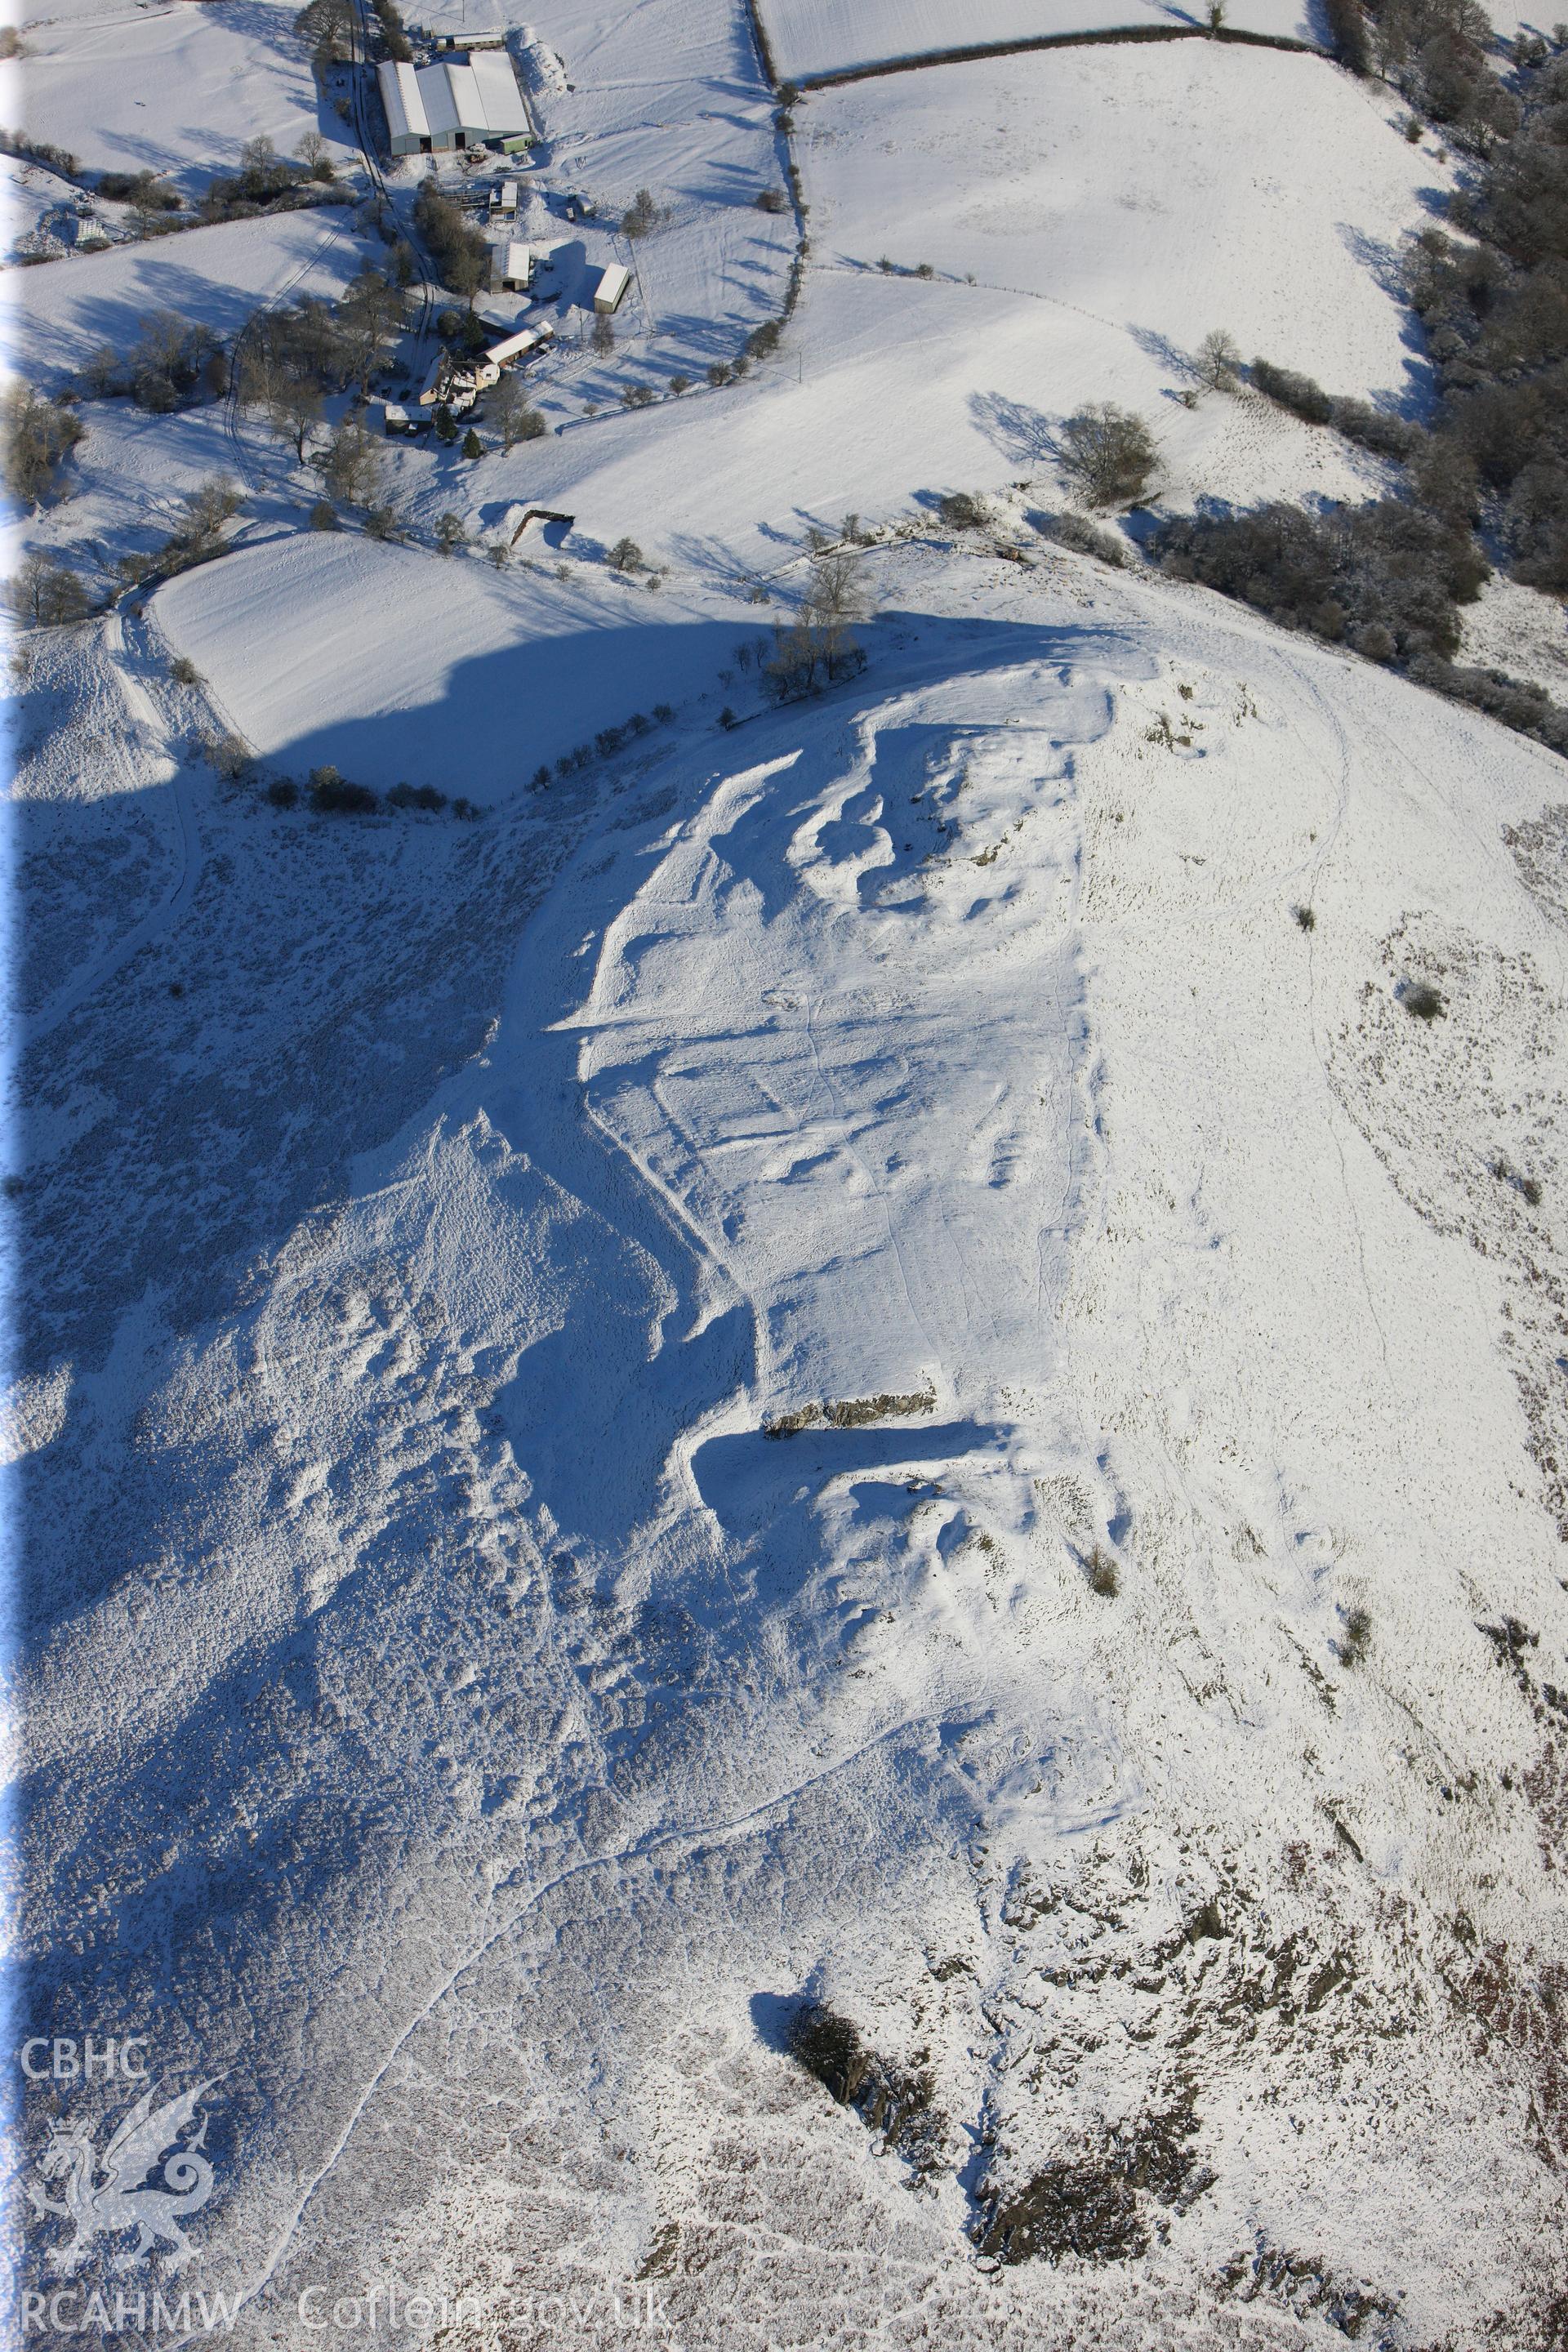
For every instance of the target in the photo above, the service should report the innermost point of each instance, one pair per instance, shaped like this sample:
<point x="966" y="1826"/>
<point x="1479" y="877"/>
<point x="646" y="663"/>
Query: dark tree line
<point x="1390" y="577"/>
<point x="461" y="255"/>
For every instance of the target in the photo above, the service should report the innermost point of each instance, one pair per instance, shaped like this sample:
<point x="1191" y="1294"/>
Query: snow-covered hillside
<point x="174" y="89"/>
<point x="788" y="1505"/>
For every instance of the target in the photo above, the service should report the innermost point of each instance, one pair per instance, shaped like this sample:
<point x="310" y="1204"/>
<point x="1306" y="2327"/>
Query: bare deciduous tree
<point x="512" y="416"/>
<point x="1219" y="356"/>
<point x="45" y="593"/>
<point x="352" y="466"/>
<point x="819" y="643"/>
<point x="39" y="433"/>
<point x="1108" y="455"/>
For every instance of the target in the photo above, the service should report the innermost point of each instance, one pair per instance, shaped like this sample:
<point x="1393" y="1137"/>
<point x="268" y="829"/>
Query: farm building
<point x="457" y="384"/>
<point x="512" y="349"/>
<point x="611" y="290"/>
<point x="458" y="104"/>
<point x="511" y="266"/>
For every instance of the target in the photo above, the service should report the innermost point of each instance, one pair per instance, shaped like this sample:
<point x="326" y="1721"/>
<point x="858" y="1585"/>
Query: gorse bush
<point x="1422" y="1002"/>
<point x="1085" y="538"/>
<point x="1390" y="576"/>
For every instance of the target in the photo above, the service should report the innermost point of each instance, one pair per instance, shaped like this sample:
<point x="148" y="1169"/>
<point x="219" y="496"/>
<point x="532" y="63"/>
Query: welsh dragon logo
<point x="115" y="2191"/>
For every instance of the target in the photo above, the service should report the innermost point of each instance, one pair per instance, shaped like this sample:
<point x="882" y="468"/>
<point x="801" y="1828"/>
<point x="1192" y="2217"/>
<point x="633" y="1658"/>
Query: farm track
<point x="377" y="178"/>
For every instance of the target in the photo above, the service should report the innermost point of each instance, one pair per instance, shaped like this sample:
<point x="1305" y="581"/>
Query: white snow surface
<point x="1104" y="225"/>
<point x="175" y="90"/>
<point x="815" y="37"/>
<point x="56" y="317"/>
<point x="953" y="1040"/>
<point x="863" y="1354"/>
<point x="465" y="680"/>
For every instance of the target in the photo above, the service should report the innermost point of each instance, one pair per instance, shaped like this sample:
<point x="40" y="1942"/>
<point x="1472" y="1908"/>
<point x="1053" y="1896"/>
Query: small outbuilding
<point x="513" y="268"/>
<point x="611" y="290"/>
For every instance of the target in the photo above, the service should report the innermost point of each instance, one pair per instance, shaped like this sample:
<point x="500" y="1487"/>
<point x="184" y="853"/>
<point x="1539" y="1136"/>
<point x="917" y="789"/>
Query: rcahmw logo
<point x="148" y="2174"/>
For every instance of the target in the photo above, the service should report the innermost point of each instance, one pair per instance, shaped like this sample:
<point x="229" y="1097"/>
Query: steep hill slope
<point x="1105" y="1702"/>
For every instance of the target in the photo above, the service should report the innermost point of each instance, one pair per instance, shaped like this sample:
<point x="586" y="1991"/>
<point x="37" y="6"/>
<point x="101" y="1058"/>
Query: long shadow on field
<point x="336" y="979"/>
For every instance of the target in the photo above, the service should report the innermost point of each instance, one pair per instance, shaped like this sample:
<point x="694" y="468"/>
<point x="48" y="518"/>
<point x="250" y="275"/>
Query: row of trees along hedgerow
<point x="1487" y="476"/>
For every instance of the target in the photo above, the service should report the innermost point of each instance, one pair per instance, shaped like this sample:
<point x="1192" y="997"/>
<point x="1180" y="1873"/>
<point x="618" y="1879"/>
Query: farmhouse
<point x="460" y="102"/>
<point x="457" y="384"/>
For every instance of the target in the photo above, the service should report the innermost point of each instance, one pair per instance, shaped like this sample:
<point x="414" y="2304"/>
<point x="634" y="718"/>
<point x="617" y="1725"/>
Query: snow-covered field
<point x="874" y="1352"/>
<point x="818" y="37"/>
<point x="1102" y="222"/>
<point x="465" y="678"/>
<point x="176" y="89"/>
<point x="56" y="317"/>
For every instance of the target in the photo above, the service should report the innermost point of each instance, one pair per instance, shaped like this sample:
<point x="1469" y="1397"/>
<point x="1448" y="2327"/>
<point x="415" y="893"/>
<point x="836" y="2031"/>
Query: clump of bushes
<point x="1085" y="538"/>
<point x="43" y="150"/>
<point x="328" y="28"/>
<point x="266" y="182"/>
<point x="39" y="434"/>
<point x="1528" y="1188"/>
<point x="174" y="363"/>
<point x="228" y="757"/>
<point x="1381" y="567"/>
<point x="1373" y="428"/>
<point x="962" y="510"/>
<point x="390" y="25"/>
<point x="196" y="538"/>
<point x="1518" y="703"/>
<point x="641" y="215"/>
<point x="1387" y="577"/>
<point x="145" y="190"/>
<point x="1103" y="1575"/>
<point x="331" y="794"/>
<point x="818" y="645"/>
<point x="461" y="254"/>
<point x="47" y="593"/>
<point x="605" y="745"/>
<point x="1422" y="1002"/>
<point x="1357" y="1638"/>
